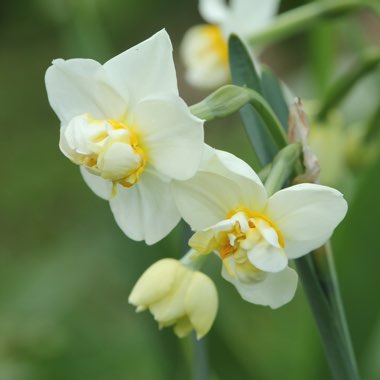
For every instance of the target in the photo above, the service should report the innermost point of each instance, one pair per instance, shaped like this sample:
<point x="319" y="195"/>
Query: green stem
<point x="201" y="370"/>
<point x="324" y="263"/>
<point x="342" y="87"/>
<point x="307" y="16"/>
<point x="230" y="99"/>
<point x="329" y="319"/>
<point x="282" y="168"/>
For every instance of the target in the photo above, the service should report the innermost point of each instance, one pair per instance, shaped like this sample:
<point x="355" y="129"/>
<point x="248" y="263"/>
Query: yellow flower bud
<point x="177" y="296"/>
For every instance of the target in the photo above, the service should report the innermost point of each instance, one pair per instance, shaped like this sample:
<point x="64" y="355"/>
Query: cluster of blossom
<point x="139" y="147"/>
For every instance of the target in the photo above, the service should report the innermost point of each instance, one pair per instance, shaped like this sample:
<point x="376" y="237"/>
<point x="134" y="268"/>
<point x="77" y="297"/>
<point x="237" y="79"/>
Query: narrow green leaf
<point x="243" y="73"/>
<point x="272" y="92"/>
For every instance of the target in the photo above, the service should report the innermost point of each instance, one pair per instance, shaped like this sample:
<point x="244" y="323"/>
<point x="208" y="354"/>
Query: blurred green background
<point x="66" y="269"/>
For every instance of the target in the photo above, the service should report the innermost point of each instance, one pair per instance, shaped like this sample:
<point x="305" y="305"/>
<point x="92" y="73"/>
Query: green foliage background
<point x="66" y="269"/>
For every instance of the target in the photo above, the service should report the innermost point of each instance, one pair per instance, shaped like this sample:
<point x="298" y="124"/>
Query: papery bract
<point x="204" y="47"/>
<point x="177" y="296"/>
<point x="255" y="235"/>
<point x="126" y="126"/>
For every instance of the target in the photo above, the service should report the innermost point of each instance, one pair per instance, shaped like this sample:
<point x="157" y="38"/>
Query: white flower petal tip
<point x="306" y="215"/>
<point x="127" y="128"/>
<point x="177" y="296"/>
<point x="228" y="208"/>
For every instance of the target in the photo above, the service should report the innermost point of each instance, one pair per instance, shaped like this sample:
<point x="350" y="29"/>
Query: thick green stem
<point x="230" y="99"/>
<point x="341" y="88"/>
<point x="309" y="15"/>
<point x="324" y="263"/>
<point x="321" y="288"/>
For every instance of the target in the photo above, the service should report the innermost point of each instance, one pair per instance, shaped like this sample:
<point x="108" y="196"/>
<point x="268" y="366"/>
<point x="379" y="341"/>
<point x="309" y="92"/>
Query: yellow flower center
<point x="244" y="237"/>
<point x="108" y="148"/>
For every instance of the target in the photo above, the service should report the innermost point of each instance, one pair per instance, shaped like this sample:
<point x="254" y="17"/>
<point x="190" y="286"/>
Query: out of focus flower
<point x="126" y="126"/>
<point x="177" y="295"/>
<point x="255" y="235"/>
<point x="204" y="47"/>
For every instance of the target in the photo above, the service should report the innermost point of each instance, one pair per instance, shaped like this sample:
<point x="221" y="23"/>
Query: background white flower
<point x="178" y="296"/>
<point x="127" y="127"/>
<point x="226" y="203"/>
<point x="204" y="47"/>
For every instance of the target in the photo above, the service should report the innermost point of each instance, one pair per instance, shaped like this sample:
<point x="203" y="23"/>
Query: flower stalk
<point x="307" y="16"/>
<point x="282" y="167"/>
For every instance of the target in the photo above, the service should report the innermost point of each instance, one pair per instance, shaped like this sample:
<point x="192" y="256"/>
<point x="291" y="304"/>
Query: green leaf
<point x="272" y="92"/>
<point x="243" y="73"/>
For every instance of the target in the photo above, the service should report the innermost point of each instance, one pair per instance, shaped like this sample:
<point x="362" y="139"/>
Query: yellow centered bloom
<point x="255" y="235"/>
<point x="109" y="148"/>
<point x="129" y="131"/>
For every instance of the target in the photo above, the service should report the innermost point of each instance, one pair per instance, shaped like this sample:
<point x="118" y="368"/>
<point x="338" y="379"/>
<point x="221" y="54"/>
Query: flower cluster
<point x="204" y="48"/>
<point x="139" y="147"/>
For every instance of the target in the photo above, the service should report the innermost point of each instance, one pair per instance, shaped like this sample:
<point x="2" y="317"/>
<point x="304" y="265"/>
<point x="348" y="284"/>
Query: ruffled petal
<point x="144" y="69"/>
<point x="275" y="290"/>
<point x="145" y="211"/>
<point x="101" y="187"/>
<point x="172" y="136"/>
<point x="306" y="215"/>
<point x="79" y="86"/>
<point x="268" y="258"/>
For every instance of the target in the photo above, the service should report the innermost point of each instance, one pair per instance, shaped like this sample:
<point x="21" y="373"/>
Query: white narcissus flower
<point x="177" y="295"/>
<point x="126" y="126"/>
<point x="204" y="48"/>
<point x="255" y="235"/>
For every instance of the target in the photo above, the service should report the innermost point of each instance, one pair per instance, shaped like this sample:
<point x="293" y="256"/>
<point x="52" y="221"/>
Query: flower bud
<point x="178" y="296"/>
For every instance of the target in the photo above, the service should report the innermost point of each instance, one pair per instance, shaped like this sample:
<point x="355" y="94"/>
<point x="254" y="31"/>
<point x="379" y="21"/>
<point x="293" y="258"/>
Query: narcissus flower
<point x="177" y="295"/>
<point x="255" y="235"/>
<point x="126" y="126"/>
<point x="204" y="47"/>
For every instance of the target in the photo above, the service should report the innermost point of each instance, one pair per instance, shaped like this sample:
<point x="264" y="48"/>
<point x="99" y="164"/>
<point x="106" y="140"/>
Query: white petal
<point x="223" y="184"/>
<point x="213" y="11"/>
<point x="267" y="232"/>
<point x="205" y="199"/>
<point x="154" y="283"/>
<point x="306" y="215"/>
<point x="268" y="258"/>
<point x="275" y="290"/>
<point x="101" y="187"/>
<point x="144" y="69"/>
<point x="79" y="86"/>
<point x="172" y="136"/>
<point x="145" y="211"/>
<point x="201" y="303"/>
<point x="250" y="16"/>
